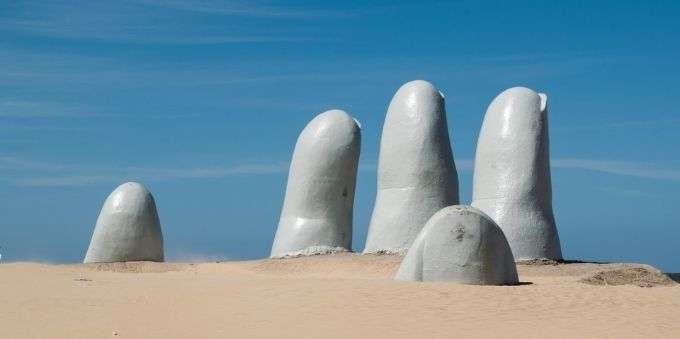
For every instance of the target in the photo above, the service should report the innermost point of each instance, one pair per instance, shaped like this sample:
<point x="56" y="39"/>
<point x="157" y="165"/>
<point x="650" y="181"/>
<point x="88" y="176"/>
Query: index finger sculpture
<point x="512" y="173"/>
<point x="416" y="173"/>
<point x="317" y="211"/>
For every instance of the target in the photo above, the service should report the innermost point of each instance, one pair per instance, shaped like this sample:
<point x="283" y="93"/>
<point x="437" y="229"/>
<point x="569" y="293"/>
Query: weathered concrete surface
<point x="317" y="211"/>
<point x="128" y="228"/>
<point x="512" y="173"/>
<point x="416" y="173"/>
<point x="460" y="244"/>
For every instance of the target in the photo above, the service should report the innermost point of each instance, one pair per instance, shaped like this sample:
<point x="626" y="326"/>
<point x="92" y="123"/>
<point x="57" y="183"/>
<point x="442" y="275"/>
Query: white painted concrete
<point x="416" y="173"/>
<point x="128" y="228"/>
<point x="317" y="211"/>
<point x="512" y="173"/>
<point x="460" y="244"/>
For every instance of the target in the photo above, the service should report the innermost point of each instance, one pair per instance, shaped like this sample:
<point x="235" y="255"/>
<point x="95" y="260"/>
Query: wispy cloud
<point x="630" y="125"/>
<point x="465" y="165"/>
<point x="208" y="172"/>
<point x="368" y="166"/>
<point x="30" y="173"/>
<point x="667" y="123"/>
<point x="151" y="22"/>
<point x="19" y="109"/>
<point x="61" y="181"/>
<point x="64" y="72"/>
<point x="16" y="163"/>
<point x="16" y="141"/>
<point x="236" y="8"/>
<point x="633" y="169"/>
<point x="625" y="192"/>
<point x="42" y="126"/>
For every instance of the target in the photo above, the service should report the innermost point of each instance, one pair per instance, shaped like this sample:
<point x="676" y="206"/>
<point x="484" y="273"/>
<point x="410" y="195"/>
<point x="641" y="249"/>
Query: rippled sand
<point x="335" y="296"/>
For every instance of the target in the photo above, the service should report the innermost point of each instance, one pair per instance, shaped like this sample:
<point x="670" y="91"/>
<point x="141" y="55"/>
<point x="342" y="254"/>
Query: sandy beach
<point x="345" y="295"/>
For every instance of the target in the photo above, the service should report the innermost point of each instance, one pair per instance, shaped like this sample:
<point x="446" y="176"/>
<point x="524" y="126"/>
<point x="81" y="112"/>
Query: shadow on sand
<point x="540" y="262"/>
<point x="567" y="261"/>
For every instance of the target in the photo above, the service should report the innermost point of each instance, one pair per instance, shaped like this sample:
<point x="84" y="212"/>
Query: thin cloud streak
<point x="17" y="109"/>
<point x="666" y="123"/>
<point x="632" y="169"/>
<point x="148" y="22"/>
<point x="626" y="192"/>
<point x="19" y="164"/>
<point x="465" y="165"/>
<point x="215" y="172"/>
<point x="44" y="174"/>
<point x="233" y="8"/>
<point x="41" y="174"/>
<point x="68" y="181"/>
<point x="26" y="68"/>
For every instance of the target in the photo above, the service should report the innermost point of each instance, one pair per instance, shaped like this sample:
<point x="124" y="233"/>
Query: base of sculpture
<point x="314" y="250"/>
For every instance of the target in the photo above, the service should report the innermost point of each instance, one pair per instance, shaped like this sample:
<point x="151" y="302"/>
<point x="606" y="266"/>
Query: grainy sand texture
<point x="330" y="296"/>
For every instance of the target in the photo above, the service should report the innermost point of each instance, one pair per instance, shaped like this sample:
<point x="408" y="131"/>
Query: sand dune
<point x="343" y="295"/>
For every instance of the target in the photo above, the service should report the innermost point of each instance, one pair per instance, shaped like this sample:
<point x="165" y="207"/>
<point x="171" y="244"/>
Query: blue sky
<point x="202" y="102"/>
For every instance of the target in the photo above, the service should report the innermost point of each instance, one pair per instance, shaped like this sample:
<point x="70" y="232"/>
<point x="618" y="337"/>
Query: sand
<point x="332" y="296"/>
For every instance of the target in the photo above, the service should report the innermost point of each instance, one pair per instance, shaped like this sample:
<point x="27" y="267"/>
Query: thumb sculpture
<point x="128" y="228"/>
<point x="416" y="173"/>
<point x="512" y="173"/>
<point x="460" y="244"/>
<point x="317" y="211"/>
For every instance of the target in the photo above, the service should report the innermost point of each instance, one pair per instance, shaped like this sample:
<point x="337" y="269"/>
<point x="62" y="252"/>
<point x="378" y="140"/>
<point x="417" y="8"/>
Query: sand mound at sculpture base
<point x="138" y="267"/>
<point x="538" y="262"/>
<point x="638" y="276"/>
